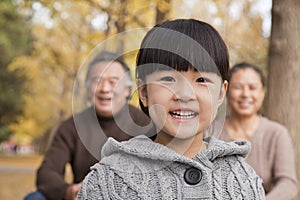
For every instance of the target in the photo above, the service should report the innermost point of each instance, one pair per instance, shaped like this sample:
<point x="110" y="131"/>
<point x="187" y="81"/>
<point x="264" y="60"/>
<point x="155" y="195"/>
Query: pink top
<point x="272" y="157"/>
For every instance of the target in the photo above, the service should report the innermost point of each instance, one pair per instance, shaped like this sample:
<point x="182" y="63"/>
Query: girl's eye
<point x="168" y="79"/>
<point x="202" y="80"/>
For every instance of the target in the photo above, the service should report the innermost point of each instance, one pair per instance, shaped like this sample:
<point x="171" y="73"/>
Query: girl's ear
<point x="222" y="95"/>
<point x="142" y="89"/>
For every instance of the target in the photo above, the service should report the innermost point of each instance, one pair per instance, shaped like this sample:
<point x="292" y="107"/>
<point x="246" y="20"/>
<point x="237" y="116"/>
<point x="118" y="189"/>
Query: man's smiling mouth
<point x="104" y="99"/>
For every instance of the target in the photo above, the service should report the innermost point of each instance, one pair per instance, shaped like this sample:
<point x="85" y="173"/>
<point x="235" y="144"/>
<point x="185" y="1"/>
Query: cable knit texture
<point x="142" y="169"/>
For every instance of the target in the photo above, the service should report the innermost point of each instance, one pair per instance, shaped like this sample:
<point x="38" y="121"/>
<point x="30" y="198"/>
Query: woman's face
<point x="182" y="104"/>
<point x="245" y="93"/>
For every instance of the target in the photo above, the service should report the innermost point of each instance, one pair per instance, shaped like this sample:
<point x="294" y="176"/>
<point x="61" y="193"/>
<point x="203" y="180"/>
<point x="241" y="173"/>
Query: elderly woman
<point x="272" y="154"/>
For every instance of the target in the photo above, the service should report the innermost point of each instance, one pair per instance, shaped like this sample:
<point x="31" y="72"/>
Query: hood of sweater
<point x="142" y="147"/>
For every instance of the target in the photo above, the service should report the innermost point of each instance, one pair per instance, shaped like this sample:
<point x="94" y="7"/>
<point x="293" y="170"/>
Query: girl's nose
<point x="184" y="91"/>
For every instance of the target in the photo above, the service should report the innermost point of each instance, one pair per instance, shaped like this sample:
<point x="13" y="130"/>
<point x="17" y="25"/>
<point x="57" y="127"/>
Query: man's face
<point x="109" y="88"/>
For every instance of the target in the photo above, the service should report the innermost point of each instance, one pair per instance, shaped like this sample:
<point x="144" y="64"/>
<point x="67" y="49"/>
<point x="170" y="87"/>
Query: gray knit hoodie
<point x="142" y="169"/>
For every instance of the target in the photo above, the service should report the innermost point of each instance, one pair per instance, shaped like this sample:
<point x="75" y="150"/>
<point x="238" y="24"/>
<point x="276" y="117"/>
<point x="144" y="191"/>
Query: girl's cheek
<point x="158" y="114"/>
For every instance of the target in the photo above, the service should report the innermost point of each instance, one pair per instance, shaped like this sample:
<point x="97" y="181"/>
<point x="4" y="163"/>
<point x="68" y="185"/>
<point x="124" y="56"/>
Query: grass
<point x="17" y="175"/>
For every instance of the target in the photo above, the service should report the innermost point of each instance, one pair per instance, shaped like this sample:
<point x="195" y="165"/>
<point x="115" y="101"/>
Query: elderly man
<point x="79" y="139"/>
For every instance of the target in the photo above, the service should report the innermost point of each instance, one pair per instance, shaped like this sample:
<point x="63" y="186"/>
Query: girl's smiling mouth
<point x="183" y="114"/>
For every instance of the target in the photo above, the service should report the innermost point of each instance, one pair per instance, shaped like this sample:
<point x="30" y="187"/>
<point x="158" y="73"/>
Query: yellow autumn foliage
<point x="79" y="26"/>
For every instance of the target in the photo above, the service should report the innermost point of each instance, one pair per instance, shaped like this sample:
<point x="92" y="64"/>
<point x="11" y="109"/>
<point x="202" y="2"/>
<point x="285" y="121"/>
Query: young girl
<point x="181" y="73"/>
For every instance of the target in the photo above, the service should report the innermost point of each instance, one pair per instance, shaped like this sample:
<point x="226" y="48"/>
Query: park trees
<point x="15" y="40"/>
<point x="283" y="99"/>
<point x="65" y="32"/>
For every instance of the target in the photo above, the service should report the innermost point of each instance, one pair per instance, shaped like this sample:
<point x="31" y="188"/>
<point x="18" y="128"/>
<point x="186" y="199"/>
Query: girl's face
<point x="182" y="104"/>
<point x="245" y="93"/>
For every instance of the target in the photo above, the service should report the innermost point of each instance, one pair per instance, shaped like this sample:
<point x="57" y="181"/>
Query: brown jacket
<point x="70" y="142"/>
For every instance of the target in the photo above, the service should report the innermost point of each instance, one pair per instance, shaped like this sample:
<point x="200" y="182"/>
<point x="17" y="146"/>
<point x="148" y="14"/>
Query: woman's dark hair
<point x="245" y="65"/>
<point x="105" y="56"/>
<point x="182" y="44"/>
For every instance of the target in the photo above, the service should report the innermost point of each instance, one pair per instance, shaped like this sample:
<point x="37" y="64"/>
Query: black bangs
<point x="181" y="45"/>
<point x="161" y="60"/>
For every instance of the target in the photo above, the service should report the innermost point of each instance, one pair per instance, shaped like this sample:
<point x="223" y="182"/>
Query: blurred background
<point x="44" y="42"/>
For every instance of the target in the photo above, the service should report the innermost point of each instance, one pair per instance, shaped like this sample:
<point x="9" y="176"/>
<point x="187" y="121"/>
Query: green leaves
<point x="14" y="41"/>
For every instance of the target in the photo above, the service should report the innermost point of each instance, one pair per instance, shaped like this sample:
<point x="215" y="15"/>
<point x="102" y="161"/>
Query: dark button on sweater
<point x="192" y="176"/>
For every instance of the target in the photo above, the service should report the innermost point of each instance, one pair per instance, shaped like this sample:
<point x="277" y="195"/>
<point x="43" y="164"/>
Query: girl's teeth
<point x="183" y="114"/>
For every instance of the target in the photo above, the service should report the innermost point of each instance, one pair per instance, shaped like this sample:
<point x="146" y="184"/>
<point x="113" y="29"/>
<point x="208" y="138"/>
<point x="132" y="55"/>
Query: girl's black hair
<point x="182" y="44"/>
<point x="245" y="65"/>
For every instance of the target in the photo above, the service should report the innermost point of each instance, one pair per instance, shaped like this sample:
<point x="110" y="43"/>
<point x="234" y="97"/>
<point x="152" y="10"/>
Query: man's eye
<point x="112" y="82"/>
<point x="168" y="79"/>
<point x="201" y="80"/>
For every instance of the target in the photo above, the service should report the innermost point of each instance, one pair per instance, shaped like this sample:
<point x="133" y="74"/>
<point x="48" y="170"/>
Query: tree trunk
<point x="283" y="99"/>
<point x="163" y="9"/>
